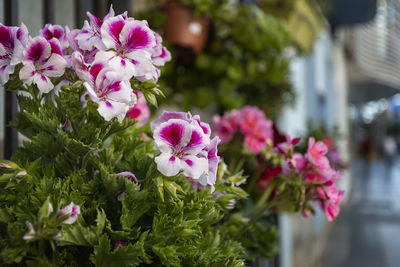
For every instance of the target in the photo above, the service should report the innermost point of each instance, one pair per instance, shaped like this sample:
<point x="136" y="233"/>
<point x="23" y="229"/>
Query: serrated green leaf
<point x="123" y="256"/>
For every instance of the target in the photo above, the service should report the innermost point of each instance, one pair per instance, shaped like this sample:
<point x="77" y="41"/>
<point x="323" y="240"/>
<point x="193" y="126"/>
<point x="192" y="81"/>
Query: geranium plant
<point x="93" y="184"/>
<point x="279" y="177"/>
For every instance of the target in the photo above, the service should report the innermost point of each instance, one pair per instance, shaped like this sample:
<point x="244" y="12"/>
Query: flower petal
<point x="5" y="71"/>
<point x="110" y="31"/>
<point x="43" y="83"/>
<point x="193" y="166"/>
<point x="168" y="164"/>
<point x="27" y="73"/>
<point x="73" y="210"/>
<point x="38" y="49"/>
<point x="54" y="66"/>
<point x="172" y="135"/>
<point x="141" y="60"/>
<point x="198" y="140"/>
<point x="163" y="58"/>
<point x="109" y="109"/>
<point x="136" y="35"/>
<point x="167" y="115"/>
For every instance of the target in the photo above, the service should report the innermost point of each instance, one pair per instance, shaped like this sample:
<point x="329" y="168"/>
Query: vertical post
<point x="122" y="6"/>
<point x="101" y="7"/>
<point x="81" y="6"/>
<point x="10" y="98"/>
<point x="48" y="11"/>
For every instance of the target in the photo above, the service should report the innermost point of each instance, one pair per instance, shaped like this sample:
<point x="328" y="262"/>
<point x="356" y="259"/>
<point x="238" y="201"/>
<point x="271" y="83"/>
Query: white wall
<point x="320" y="83"/>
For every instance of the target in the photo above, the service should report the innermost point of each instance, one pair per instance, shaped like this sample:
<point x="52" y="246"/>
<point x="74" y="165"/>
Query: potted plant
<point x="183" y="28"/>
<point x="244" y="61"/>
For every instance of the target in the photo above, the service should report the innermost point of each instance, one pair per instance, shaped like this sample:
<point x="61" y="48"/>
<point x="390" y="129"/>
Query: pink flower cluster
<point x="186" y="146"/>
<point x="250" y="122"/>
<point x="105" y="54"/>
<point x="318" y="176"/>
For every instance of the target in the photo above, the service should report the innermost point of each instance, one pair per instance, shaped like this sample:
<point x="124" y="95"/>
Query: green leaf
<point x="123" y="256"/>
<point x="237" y="191"/>
<point x="82" y="235"/>
<point x="45" y="209"/>
<point x="135" y="203"/>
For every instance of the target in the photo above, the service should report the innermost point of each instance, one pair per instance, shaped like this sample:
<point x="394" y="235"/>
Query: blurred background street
<point x="368" y="231"/>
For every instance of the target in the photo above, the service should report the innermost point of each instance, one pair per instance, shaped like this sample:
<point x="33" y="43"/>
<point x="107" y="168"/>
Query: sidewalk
<point x="367" y="232"/>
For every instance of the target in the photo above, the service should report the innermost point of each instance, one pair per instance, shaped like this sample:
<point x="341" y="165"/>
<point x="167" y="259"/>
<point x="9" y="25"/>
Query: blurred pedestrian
<point x="389" y="149"/>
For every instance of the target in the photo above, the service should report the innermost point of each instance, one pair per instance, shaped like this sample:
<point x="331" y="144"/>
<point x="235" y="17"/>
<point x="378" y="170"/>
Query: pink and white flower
<point x="88" y="56"/>
<point x="12" y="42"/>
<point x="130" y="43"/>
<point x="58" y="32"/>
<point x="127" y="175"/>
<point x="31" y="235"/>
<point x="108" y="87"/>
<point x="185" y="146"/>
<point x="90" y="37"/>
<point x="160" y="54"/>
<point x="41" y="61"/>
<point x="211" y="155"/>
<point x="73" y="211"/>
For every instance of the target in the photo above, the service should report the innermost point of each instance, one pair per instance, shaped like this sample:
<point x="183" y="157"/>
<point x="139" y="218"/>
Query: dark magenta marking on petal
<point x="55" y="48"/>
<point x="163" y="53"/>
<point x="138" y="38"/>
<point x="123" y="63"/>
<point x="32" y="73"/>
<point x="50" y="68"/>
<point x="172" y="158"/>
<point x="47" y="34"/>
<point x="94" y="70"/>
<point x="58" y="32"/>
<point x="6" y="38"/>
<point x="108" y="104"/>
<point x="195" y="140"/>
<point x="134" y="62"/>
<point x="205" y="129"/>
<point x="43" y="77"/>
<point x="189" y="162"/>
<point x="115" y="29"/>
<point x="19" y="34"/>
<point x="172" y="134"/>
<point x="35" y="52"/>
<point x="95" y="20"/>
<point x="114" y="87"/>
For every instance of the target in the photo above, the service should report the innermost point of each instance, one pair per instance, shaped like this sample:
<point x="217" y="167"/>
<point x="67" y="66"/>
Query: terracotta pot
<point x="183" y="28"/>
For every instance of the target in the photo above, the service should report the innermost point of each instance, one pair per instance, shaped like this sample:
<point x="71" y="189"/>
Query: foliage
<point x="162" y="220"/>
<point x="244" y="61"/>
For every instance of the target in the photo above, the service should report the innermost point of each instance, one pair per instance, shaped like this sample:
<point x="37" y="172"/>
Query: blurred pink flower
<point x="140" y="111"/>
<point x="316" y="153"/>
<point x="331" y="199"/>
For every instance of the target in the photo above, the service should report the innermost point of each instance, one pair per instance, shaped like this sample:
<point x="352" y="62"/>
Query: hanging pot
<point x="183" y="28"/>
